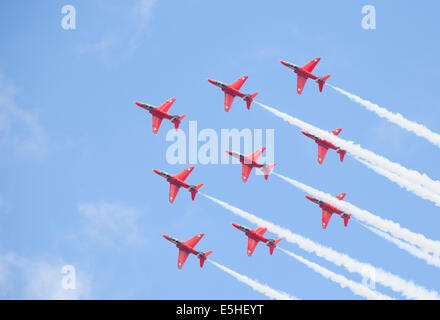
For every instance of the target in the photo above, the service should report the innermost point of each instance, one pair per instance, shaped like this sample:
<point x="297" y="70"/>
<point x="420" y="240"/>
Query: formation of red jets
<point x="248" y="161"/>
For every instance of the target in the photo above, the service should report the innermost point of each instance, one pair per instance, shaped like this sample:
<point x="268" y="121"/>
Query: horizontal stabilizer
<point x="346" y="218"/>
<point x="195" y="190"/>
<point x="266" y="170"/>
<point x="342" y="154"/>
<point x="249" y="99"/>
<point x="203" y="258"/>
<point x="322" y="81"/>
<point x="177" y="121"/>
<point x="273" y="245"/>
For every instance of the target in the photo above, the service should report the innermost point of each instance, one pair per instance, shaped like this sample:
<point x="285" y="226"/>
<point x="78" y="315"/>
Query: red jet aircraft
<point x="178" y="181"/>
<point x="328" y="210"/>
<point x="255" y="236"/>
<point x="305" y="72"/>
<point x="250" y="161"/>
<point x="324" y="145"/>
<point x="160" y="113"/>
<point x="187" y="247"/>
<point x="232" y="90"/>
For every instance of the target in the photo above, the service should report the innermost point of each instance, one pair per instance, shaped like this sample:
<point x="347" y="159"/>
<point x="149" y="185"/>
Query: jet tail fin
<point x="177" y="121"/>
<point x="203" y="258"/>
<point x="249" y="99"/>
<point x="322" y="81"/>
<point x="195" y="190"/>
<point x="266" y="170"/>
<point x="346" y="218"/>
<point x="273" y="245"/>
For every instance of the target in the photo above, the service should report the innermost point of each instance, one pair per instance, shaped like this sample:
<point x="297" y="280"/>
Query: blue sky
<point x="76" y="155"/>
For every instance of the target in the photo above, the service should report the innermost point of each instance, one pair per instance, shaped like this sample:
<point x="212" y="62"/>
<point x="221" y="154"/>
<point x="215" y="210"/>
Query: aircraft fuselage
<point x="326" y="206"/>
<point x="182" y="246"/>
<point x="245" y="160"/>
<point x="320" y="141"/>
<point x="227" y="88"/>
<point x="251" y="233"/>
<point x="173" y="180"/>
<point x="154" y="111"/>
<point x="300" y="71"/>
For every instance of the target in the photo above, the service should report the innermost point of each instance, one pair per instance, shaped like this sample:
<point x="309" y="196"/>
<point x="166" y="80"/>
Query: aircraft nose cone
<point x="211" y="81"/>
<point x="165" y="236"/>
<point x="309" y="197"/>
<point x="283" y="62"/>
<point x="304" y="133"/>
<point x="137" y="103"/>
<point x="235" y="225"/>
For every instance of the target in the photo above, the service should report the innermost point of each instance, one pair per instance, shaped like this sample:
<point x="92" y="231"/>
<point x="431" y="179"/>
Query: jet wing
<point x="252" y="244"/>
<point x="326" y="215"/>
<point x="228" y="101"/>
<point x="183" y="255"/>
<point x="301" y="82"/>
<point x="245" y="172"/>
<point x="173" y="192"/>
<point x="261" y="231"/>
<point x="164" y="107"/>
<point x="322" y="151"/>
<point x="156" y="124"/>
<point x="311" y="65"/>
<point x="184" y="174"/>
<point x="256" y="154"/>
<point x="194" y="240"/>
<point x="237" y="84"/>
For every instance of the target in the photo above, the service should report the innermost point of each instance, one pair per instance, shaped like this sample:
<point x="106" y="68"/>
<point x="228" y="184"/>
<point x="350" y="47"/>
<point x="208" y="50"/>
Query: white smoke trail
<point x="359" y="153"/>
<point x="355" y="287"/>
<point x="416" y="252"/>
<point x="261" y="288"/>
<point x="395" y="118"/>
<point x="403" y="183"/>
<point x="395" y="229"/>
<point x="407" y="288"/>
